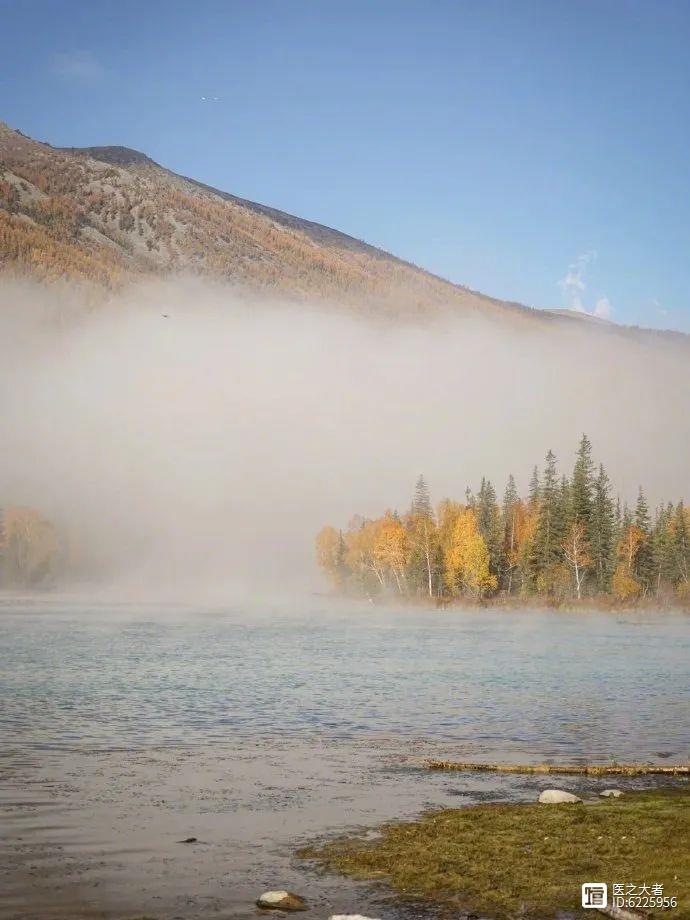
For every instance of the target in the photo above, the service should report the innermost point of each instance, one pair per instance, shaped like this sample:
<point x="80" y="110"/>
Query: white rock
<point x="350" y="917"/>
<point x="558" y="797"/>
<point x="611" y="793"/>
<point x="273" y="897"/>
<point x="281" y="900"/>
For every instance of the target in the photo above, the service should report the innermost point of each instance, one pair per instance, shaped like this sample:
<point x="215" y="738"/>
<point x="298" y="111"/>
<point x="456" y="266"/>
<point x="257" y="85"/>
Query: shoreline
<point x="97" y="834"/>
<point x="500" y="860"/>
<point x="106" y="597"/>
<point x="258" y="734"/>
<point x="532" y="604"/>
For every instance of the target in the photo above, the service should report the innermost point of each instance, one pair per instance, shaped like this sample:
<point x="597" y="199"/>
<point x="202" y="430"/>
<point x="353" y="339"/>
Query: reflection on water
<point x="566" y="686"/>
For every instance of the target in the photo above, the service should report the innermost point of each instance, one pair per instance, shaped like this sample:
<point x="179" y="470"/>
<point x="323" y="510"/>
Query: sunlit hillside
<point x="110" y="214"/>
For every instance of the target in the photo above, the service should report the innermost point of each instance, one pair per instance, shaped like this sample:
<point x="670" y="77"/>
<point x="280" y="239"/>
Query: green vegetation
<point x="567" y="540"/>
<point x="529" y="860"/>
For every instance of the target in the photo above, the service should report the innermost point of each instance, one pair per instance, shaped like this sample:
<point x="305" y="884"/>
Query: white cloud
<point x="573" y="285"/>
<point x="603" y="308"/>
<point x="78" y="66"/>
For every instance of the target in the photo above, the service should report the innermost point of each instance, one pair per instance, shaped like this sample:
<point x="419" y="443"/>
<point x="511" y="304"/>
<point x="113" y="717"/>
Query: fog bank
<point x="186" y="437"/>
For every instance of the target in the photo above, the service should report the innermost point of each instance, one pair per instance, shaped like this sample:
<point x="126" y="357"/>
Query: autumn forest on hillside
<point x="568" y="539"/>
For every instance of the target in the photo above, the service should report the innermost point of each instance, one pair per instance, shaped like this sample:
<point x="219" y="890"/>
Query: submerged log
<point x="614" y="769"/>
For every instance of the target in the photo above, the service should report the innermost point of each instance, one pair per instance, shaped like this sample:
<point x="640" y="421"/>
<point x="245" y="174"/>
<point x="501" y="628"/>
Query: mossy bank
<point x="506" y="860"/>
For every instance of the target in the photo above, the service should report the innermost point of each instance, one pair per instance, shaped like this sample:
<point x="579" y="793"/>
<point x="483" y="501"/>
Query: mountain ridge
<point x="108" y="215"/>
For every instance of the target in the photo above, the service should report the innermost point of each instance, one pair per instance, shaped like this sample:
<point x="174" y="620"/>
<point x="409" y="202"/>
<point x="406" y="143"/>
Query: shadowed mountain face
<point x="110" y="214"/>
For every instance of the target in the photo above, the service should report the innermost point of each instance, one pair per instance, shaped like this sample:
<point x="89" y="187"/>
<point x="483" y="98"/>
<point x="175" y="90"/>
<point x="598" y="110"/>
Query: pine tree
<point x="662" y="548"/>
<point x="627" y="518"/>
<point x="546" y="551"/>
<point x="603" y="531"/>
<point x="489" y="524"/>
<point x="566" y="508"/>
<point x="618" y="521"/>
<point x="421" y="503"/>
<point x="680" y="545"/>
<point x="511" y="502"/>
<point x="644" y="565"/>
<point x="642" y="512"/>
<point x="534" y="490"/>
<point x="583" y="484"/>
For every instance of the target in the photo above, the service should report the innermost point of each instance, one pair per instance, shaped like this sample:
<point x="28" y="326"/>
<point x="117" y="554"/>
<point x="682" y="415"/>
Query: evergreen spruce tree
<point x="583" y="484"/>
<point x="421" y="503"/>
<point x="642" y="512"/>
<point x="604" y="528"/>
<point x="510" y="496"/>
<point x="644" y="562"/>
<point x="680" y="545"/>
<point x="534" y="490"/>
<point x="489" y="524"/>
<point x="618" y="522"/>
<point x="662" y="548"/>
<point x="546" y="551"/>
<point x="511" y="501"/>
<point x="627" y="518"/>
<point x="566" y="507"/>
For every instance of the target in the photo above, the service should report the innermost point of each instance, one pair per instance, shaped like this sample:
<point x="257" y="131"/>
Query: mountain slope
<point x="111" y="214"/>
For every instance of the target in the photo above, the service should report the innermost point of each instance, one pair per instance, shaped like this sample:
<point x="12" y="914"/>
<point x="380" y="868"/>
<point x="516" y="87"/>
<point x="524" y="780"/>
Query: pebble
<point x="281" y="900"/>
<point x="558" y="797"/>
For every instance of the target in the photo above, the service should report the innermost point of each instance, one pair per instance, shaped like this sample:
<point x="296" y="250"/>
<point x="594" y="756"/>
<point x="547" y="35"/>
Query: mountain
<point x="109" y="215"/>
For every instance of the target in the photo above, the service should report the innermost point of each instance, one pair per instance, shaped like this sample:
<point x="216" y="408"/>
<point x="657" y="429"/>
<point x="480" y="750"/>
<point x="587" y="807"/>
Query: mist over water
<point x="188" y="438"/>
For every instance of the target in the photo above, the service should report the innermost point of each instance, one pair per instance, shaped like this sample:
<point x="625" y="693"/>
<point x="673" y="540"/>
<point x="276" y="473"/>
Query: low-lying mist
<point x="186" y="438"/>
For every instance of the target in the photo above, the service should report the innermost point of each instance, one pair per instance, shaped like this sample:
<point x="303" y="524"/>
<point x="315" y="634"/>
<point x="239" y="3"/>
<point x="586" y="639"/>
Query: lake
<point x="127" y="729"/>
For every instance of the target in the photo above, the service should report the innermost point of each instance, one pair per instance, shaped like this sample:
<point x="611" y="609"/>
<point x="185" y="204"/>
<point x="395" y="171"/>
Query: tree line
<point x="567" y="538"/>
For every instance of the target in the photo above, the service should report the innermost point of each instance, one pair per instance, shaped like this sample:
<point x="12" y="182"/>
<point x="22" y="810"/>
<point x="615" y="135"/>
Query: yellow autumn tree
<point x="391" y="549"/>
<point x="361" y="558"/>
<point x="330" y="556"/>
<point x="529" y="520"/>
<point x="467" y="557"/>
<point x="30" y="547"/>
<point x="625" y="586"/>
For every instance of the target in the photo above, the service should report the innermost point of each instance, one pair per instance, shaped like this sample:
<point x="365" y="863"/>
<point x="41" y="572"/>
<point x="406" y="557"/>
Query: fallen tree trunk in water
<point x="613" y="769"/>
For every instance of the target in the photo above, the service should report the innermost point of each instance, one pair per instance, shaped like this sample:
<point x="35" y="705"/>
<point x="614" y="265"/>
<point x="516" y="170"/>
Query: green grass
<point x="529" y="860"/>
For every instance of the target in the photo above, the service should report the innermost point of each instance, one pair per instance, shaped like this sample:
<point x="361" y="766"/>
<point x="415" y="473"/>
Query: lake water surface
<point x="128" y="729"/>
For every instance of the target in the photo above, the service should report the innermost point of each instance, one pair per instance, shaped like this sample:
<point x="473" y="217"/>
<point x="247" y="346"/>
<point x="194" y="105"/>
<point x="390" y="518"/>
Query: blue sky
<point x="536" y="151"/>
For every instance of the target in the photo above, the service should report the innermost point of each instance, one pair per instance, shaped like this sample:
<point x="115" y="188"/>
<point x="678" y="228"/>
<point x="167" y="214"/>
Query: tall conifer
<point x="603" y="530"/>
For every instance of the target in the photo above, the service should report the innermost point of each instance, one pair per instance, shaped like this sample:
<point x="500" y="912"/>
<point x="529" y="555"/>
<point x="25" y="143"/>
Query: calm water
<point x="125" y="731"/>
<point x="554" y="685"/>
